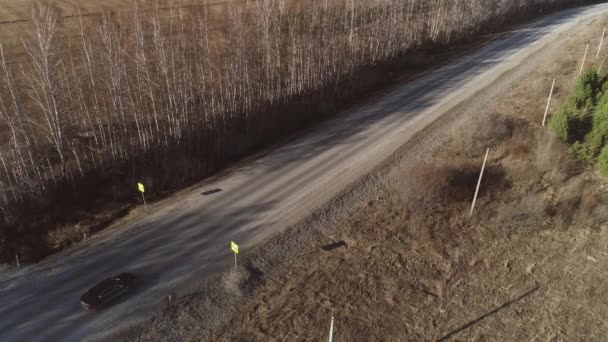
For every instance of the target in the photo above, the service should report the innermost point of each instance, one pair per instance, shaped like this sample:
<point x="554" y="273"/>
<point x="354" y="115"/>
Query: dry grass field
<point x="20" y="10"/>
<point x="15" y="16"/>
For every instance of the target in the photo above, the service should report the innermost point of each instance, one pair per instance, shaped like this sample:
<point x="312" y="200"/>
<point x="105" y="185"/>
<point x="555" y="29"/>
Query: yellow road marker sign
<point x="141" y="187"/>
<point x="235" y="249"/>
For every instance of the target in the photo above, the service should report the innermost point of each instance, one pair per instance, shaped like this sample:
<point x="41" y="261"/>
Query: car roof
<point x="109" y="283"/>
<point x="106" y="287"/>
<point x="103" y="284"/>
<point x="123" y="276"/>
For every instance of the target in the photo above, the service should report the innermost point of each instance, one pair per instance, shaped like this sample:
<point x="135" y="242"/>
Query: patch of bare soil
<point x="411" y="265"/>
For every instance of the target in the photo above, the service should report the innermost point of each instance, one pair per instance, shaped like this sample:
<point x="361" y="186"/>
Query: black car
<point x="108" y="290"/>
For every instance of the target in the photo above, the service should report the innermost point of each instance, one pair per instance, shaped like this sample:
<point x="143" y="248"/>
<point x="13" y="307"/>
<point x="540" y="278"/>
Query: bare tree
<point x="44" y="86"/>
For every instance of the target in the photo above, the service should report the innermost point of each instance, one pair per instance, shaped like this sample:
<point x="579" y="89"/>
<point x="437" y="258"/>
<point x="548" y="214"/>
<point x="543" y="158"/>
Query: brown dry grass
<point x="67" y="235"/>
<point x="15" y="16"/>
<point x="445" y="276"/>
<point x="426" y="188"/>
<point x="405" y="281"/>
<point x="17" y="10"/>
<point x="526" y="267"/>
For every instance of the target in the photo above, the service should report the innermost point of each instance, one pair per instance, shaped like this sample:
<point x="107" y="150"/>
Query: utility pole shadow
<point x="488" y="314"/>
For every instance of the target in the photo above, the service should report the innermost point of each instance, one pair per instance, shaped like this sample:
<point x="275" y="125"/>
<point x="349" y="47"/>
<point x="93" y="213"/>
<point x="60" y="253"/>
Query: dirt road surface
<point x="188" y="236"/>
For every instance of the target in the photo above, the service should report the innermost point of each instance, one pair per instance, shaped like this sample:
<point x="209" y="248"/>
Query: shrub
<point x="582" y="152"/>
<point x="65" y="236"/>
<point x="598" y="137"/>
<point x="561" y="122"/>
<point x="572" y="125"/>
<point x="586" y="90"/>
<point x="602" y="161"/>
<point x="575" y="119"/>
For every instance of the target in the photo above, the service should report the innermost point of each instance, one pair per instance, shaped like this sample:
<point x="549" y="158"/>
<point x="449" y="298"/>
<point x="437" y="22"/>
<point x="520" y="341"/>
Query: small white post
<point x="600" y="46"/>
<point x="584" y="58"/>
<point x="85" y="236"/>
<point x="548" y="102"/>
<point x="144" y="198"/>
<point x="169" y="298"/>
<point x="331" y="329"/>
<point x="479" y="182"/>
<point x="235" y="261"/>
<point x="17" y="258"/>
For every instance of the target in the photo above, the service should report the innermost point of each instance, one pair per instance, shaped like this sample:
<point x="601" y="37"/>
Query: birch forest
<point x="170" y="94"/>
